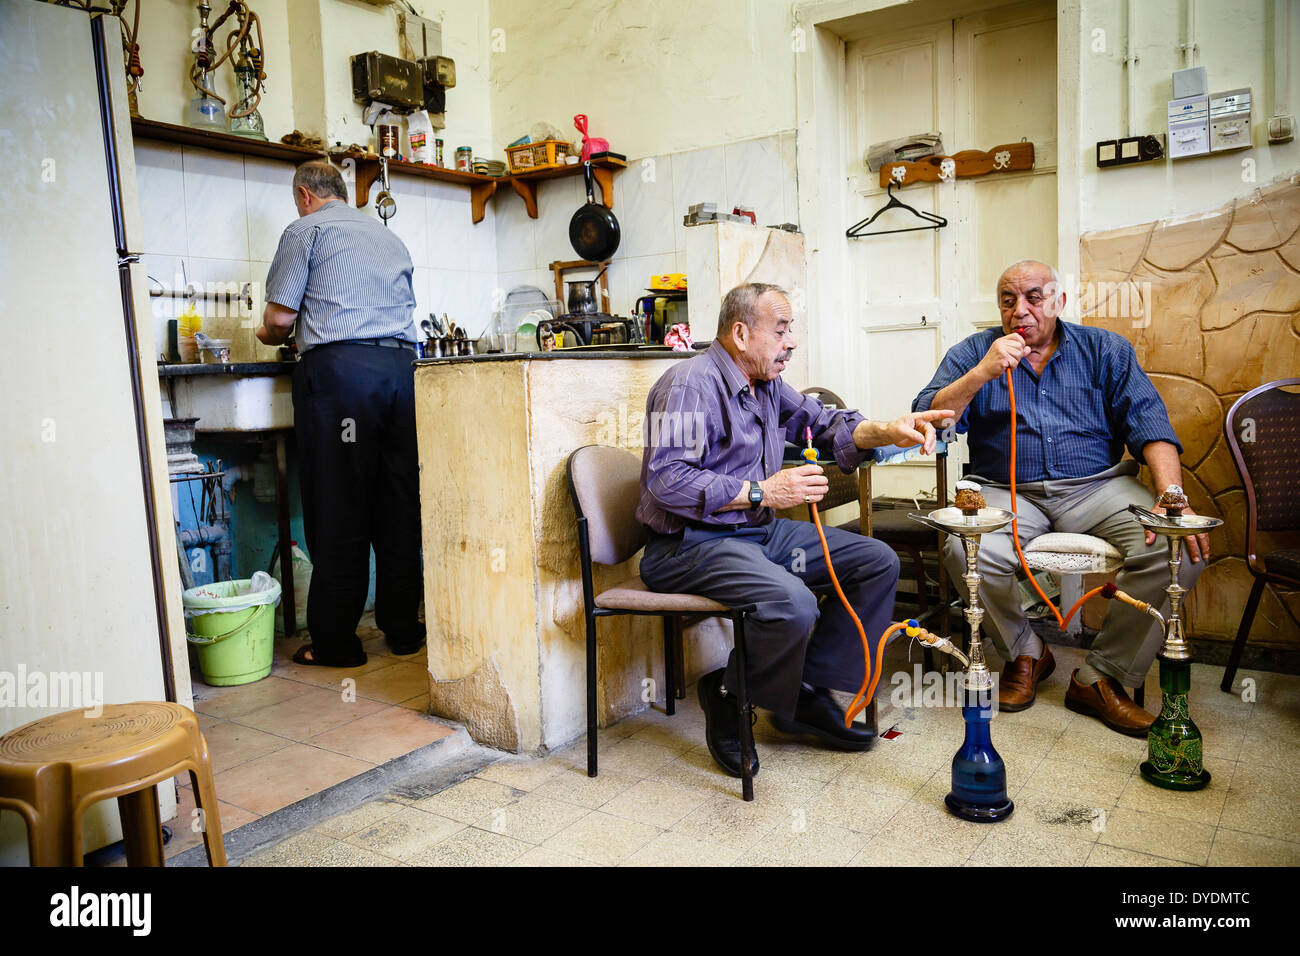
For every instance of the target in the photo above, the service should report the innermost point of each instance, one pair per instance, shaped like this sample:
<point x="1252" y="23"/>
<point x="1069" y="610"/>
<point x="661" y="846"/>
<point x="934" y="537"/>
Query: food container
<point x="540" y="155"/>
<point x="464" y="158"/>
<point x="215" y="352"/>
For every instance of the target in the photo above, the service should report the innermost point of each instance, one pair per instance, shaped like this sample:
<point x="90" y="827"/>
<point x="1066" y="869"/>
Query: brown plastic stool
<point x="52" y="769"/>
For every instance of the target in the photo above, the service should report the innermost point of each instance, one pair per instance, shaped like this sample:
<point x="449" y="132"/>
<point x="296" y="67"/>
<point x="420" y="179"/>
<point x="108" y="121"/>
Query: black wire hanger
<point x="935" y="222"/>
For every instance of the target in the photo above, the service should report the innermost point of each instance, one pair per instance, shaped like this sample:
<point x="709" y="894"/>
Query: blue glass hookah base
<point x="979" y="777"/>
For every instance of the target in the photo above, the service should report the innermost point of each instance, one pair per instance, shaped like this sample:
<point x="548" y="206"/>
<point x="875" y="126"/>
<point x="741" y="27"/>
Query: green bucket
<point x="231" y="626"/>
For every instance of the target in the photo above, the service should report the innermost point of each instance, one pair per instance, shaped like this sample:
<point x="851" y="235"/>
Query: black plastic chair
<point x="1262" y="429"/>
<point x="605" y="484"/>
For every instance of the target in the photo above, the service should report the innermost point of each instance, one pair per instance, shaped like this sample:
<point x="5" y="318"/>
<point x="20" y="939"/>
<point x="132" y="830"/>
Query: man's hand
<point x="794" y="486"/>
<point x="1198" y="545"/>
<point x="277" y="324"/>
<point x="915" y="428"/>
<point x="1003" y="354"/>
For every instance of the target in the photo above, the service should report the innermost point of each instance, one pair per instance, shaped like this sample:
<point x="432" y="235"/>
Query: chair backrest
<point x="605" y="484"/>
<point x="1263" y="432"/>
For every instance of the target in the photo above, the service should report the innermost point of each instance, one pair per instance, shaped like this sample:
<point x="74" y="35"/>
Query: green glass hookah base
<point x="1174" y="745"/>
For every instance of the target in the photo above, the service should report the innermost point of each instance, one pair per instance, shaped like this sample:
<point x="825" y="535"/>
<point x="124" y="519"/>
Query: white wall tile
<point x="411" y="222"/>
<point x="699" y="175"/>
<point x="755" y="178"/>
<point x="448" y="219"/>
<point x="160" y="182"/>
<point x="557" y="201"/>
<point x="647" y="210"/>
<point x="515" y="234"/>
<point x="482" y="241"/>
<point x="424" y="304"/>
<point x="216" y="217"/>
<point x="268" y="193"/>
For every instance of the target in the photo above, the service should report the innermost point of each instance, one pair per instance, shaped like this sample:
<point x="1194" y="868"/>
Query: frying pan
<point x="593" y="230"/>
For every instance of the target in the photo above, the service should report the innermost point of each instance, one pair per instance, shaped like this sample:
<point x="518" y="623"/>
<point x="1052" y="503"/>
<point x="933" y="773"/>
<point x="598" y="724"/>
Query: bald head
<point x="1030" y="297"/>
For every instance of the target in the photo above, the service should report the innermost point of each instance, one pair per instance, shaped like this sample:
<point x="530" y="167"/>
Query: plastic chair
<point x="605" y="484"/>
<point x="53" y="769"/>
<point x="1263" y="432"/>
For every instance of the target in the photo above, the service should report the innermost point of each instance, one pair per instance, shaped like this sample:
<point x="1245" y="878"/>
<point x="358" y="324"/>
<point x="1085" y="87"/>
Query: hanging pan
<point x="593" y="230"/>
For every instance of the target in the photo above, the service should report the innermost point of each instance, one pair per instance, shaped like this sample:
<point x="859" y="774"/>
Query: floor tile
<point x="572" y="785"/>
<point x="920" y="825"/>
<point x="523" y="773"/>
<point x="883" y="775"/>
<point x="383" y="735"/>
<point x="633" y="757"/>
<point x="1030" y="847"/>
<point x="542" y="856"/>
<point x="231" y="744"/>
<point x="286" y="776"/>
<point x="804" y="843"/>
<point x="1262" y="812"/>
<point x="187" y="827"/>
<point x="881" y="852"/>
<point x="655" y="803"/>
<point x="531" y="818"/>
<point x="404" y="833"/>
<point x="309" y="714"/>
<point x="350" y="855"/>
<point x="1063" y="814"/>
<point x="471" y="847"/>
<point x="228" y="702"/>
<point x="1152" y="833"/>
<point x="296" y="850"/>
<point x="1115" y="856"/>
<point x="399" y="680"/>
<point x="1200" y="806"/>
<point x="853" y="809"/>
<point x="1232" y="848"/>
<point x="731" y="822"/>
<point x="602" y="838"/>
<point x="1095" y="786"/>
<point x="363" y="817"/>
<point x="469" y="800"/>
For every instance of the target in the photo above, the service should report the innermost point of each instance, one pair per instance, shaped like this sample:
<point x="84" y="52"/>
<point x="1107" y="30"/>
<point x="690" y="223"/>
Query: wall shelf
<point x="221" y="142"/>
<point x="481" y="188"/>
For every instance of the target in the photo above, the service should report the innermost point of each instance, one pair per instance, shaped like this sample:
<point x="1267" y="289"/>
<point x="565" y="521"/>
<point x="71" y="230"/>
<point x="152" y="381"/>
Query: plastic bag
<point x="224" y="596"/>
<point x="419" y="133"/>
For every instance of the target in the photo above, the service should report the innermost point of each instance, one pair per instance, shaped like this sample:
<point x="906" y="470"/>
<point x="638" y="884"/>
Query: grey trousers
<point x="1096" y="505"/>
<point x="789" y="638"/>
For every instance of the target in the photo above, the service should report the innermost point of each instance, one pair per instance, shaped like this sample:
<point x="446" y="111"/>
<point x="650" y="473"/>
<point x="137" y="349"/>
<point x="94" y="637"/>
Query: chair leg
<point x="141" y="827"/>
<point x="670" y="667"/>
<point x="742" y="702"/>
<point x="205" y="798"/>
<point x="591" y="694"/>
<point x="1243" y="631"/>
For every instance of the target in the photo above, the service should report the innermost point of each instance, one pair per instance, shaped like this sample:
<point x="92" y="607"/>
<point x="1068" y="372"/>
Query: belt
<point x="388" y="343"/>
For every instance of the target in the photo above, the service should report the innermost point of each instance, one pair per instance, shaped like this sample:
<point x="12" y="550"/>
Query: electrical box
<point x="1130" y="149"/>
<point x="1230" y="120"/>
<point x="1189" y="127"/>
<point x="387" y="79"/>
<point x="1190" y="82"/>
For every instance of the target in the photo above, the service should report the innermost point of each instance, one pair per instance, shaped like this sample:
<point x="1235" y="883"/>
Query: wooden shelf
<point x="481" y="188"/>
<point x="221" y="142"/>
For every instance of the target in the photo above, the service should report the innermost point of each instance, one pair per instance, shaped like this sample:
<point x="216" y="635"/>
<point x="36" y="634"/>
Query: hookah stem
<point x="868" y="689"/>
<point x="1015" y="525"/>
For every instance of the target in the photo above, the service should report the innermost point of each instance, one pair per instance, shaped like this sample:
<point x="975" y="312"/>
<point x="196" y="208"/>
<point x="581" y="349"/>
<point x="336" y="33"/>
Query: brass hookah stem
<point x="977" y="676"/>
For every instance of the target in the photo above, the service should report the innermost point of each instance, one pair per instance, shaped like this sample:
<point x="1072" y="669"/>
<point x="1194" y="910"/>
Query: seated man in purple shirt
<point x="711" y="479"/>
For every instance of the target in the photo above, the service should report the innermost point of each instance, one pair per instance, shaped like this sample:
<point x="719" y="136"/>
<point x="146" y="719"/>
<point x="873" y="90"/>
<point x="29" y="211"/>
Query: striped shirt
<point x="346" y="275"/>
<point x="707" y="434"/>
<point x="1074" y="420"/>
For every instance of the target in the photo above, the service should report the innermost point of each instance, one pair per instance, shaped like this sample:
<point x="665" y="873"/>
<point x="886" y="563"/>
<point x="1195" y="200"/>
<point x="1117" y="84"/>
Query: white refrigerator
<point x="90" y="606"/>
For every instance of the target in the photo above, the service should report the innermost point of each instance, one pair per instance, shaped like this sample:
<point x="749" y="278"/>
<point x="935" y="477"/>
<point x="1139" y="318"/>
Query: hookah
<point x="130" y="51"/>
<point x="207" y="109"/>
<point x="1174" y="744"/>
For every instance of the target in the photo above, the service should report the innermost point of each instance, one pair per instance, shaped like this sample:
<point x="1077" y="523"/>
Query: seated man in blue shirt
<point x="711" y="478"/>
<point x="1081" y="399"/>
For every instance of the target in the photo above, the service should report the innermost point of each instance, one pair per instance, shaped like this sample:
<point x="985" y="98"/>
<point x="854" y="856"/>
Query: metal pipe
<point x="1281" y="57"/>
<point x="1189" y="44"/>
<point x="1131" y="61"/>
<point x="217" y="537"/>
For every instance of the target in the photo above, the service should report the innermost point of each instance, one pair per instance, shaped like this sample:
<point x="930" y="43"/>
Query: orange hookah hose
<point x="1015" y="526"/>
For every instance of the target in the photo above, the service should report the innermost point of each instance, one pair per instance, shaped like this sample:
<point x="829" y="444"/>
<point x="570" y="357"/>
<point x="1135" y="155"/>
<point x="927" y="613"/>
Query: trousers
<point x="1096" y="505"/>
<point x="775" y="569"/>
<point x="354" y="422"/>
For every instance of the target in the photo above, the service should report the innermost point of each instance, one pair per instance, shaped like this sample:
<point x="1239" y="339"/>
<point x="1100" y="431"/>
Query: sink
<point x="234" y="403"/>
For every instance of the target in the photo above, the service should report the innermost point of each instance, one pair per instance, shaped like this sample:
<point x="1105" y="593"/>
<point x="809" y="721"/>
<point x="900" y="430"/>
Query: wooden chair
<point x="53" y="769"/>
<point x="605" y="484"/>
<point x="1262" y="429"/>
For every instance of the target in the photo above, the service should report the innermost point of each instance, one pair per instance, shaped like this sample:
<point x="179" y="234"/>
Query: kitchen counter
<point x="586" y="352"/>
<point x="216" y="368"/>
<point x="502" y="583"/>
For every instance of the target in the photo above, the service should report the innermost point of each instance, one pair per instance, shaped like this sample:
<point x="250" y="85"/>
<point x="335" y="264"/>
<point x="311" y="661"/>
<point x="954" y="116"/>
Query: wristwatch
<point x="755" y="495"/>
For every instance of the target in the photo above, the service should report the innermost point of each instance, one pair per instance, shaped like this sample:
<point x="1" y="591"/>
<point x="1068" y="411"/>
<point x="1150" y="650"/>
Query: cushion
<point x="1072" y="554"/>
<point x="1286" y="563"/>
<point x="633" y="595"/>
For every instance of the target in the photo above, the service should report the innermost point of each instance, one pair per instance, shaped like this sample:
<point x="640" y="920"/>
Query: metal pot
<point x="582" y="297"/>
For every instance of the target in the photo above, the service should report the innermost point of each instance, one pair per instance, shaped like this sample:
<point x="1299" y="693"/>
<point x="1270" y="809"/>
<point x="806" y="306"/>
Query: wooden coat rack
<point x="1010" y="157"/>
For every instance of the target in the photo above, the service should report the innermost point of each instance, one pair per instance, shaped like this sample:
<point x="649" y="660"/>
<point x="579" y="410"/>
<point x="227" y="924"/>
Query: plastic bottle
<point x="301" y="586"/>
<point x="187" y="323"/>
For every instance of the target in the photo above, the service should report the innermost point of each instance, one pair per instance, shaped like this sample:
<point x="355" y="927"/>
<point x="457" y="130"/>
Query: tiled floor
<point x="660" y="800"/>
<point x="303" y="729"/>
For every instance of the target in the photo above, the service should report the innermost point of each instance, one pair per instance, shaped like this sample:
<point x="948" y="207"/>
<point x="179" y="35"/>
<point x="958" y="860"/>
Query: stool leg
<point x="141" y="827"/>
<point x="51" y="842"/>
<point x="205" y="797"/>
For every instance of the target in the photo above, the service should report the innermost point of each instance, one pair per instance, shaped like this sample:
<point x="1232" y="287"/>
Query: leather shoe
<point x="1108" y="702"/>
<point x="1020" y="678"/>
<point x="816" y="713"/>
<point x="722" y="725"/>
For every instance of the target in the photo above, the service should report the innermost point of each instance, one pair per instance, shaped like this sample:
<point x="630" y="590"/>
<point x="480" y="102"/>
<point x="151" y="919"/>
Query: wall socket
<point x="1130" y="149"/>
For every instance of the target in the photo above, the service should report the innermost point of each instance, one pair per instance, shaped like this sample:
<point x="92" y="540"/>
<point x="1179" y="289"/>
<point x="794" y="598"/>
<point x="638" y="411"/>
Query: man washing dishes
<point x="709" y="505"/>
<point x="344" y="281"/>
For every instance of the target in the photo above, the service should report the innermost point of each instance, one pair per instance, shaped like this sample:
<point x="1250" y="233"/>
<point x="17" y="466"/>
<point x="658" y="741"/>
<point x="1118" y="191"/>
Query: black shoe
<point x="817" y="714"/>
<point x="722" y="725"/>
<point x="409" y="646"/>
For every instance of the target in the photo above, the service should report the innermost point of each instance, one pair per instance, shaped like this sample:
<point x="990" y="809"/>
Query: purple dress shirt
<point x="707" y="434"/>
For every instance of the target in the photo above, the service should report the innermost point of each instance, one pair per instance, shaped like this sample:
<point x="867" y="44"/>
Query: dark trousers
<point x="788" y="638"/>
<point x="354" y="419"/>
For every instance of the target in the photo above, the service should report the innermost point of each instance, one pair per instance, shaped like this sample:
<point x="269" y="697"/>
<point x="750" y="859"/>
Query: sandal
<point x="300" y="657"/>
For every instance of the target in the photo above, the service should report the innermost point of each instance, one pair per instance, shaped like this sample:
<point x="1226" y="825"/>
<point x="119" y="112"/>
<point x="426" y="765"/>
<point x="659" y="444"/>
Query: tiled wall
<point x="650" y="198"/>
<point x="223" y="216"/>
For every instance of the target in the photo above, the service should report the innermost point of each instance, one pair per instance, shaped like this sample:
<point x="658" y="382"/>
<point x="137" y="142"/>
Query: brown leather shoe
<point x="1108" y="702"/>
<point x="1020" y="678"/>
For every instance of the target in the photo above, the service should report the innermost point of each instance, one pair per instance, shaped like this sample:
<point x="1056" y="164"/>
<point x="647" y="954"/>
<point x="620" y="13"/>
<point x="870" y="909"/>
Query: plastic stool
<point x="52" y="769"/>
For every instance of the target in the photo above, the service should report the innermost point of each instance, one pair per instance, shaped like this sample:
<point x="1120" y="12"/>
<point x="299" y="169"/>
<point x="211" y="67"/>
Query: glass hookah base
<point x="1174" y="779"/>
<point x="978" y="812"/>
